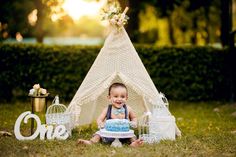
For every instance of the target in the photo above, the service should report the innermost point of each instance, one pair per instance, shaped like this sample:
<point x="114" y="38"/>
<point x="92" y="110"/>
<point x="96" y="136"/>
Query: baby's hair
<point x="114" y="85"/>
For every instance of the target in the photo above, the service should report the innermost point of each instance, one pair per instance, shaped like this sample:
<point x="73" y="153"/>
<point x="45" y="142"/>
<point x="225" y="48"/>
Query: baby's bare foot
<point x="85" y="142"/>
<point x="137" y="143"/>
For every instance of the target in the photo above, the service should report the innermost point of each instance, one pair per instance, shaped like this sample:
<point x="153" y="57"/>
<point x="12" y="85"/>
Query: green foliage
<point x="58" y="69"/>
<point x="192" y="73"/>
<point x="178" y="22"/>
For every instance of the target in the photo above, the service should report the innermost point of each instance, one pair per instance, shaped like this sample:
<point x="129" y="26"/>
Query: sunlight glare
<point x="79" y="8"/>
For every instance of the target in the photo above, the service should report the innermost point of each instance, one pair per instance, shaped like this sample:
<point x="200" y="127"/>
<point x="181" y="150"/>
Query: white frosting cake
<point x="117" y="125"/>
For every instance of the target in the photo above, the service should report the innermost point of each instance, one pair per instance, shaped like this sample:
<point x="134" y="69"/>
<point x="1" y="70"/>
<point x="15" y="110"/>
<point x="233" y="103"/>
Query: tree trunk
<point x="207" y="38"/>
<point x="171" y="30"/>
<point x="133" y="23"/>
<point x="206" y="11"/>
<point x="226" y="22"/>
<point x="194" y="29"/>
<point x="40" y="33"/>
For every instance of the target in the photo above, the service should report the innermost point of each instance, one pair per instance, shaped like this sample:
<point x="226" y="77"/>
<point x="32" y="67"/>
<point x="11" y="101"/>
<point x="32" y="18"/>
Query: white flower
<point x="31" y="92"/>
<point x="113" y="9"/>
<point x="36" y="86"/>
<point x="121" y="20"/>
<point x="113" y="21"/>
<point x="119" y="23"/>
<point x="43" y="91"/>
<point x="116" y="17"/>
<point x="37" y="90"/>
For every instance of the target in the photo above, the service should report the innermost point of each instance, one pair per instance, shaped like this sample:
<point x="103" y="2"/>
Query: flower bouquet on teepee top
<point x="114" y="15"/>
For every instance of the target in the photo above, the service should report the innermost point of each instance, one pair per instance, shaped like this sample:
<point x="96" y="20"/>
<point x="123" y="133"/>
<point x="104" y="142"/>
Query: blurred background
<point x="187" y="46"/>
<point x="158" y="22"/>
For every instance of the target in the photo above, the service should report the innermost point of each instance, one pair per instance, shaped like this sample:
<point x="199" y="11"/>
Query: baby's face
<point x="118" y="96"/>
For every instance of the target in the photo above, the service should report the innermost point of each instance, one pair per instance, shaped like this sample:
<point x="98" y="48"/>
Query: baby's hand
<point x="133" y="124"/>
<point x="101" y="125"/>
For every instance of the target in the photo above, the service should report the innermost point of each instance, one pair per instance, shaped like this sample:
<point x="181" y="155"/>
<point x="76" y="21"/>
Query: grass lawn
<point x="208" y="129"/>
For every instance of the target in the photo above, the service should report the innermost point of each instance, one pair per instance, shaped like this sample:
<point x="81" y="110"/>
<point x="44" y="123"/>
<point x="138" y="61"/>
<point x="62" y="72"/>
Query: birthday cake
<point x="117" y="125"/>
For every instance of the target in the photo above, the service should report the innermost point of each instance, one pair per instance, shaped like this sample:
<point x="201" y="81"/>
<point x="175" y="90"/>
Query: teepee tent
<point x="117" y="61"/>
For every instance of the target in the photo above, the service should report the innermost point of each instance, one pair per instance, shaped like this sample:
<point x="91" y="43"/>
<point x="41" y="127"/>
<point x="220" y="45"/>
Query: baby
<point x="117" y="95"/>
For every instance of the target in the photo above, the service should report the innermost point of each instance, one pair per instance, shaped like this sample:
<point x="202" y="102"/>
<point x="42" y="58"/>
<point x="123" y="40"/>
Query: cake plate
<point x="117" y="136"/>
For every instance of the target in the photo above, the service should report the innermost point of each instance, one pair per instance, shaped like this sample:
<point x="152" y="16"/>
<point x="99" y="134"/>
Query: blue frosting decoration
<point x="117" y="125"/>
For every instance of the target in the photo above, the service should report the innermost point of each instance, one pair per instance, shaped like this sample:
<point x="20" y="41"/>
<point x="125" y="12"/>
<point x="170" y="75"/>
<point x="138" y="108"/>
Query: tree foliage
<point x="197" y="22"/>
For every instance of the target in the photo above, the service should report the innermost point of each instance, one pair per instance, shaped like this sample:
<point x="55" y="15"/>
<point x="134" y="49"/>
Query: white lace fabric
<point x="117" y="61"/>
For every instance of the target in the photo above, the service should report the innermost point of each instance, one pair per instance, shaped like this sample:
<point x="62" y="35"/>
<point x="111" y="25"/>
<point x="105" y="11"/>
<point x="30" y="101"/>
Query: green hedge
<point x="192" y="73"/>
